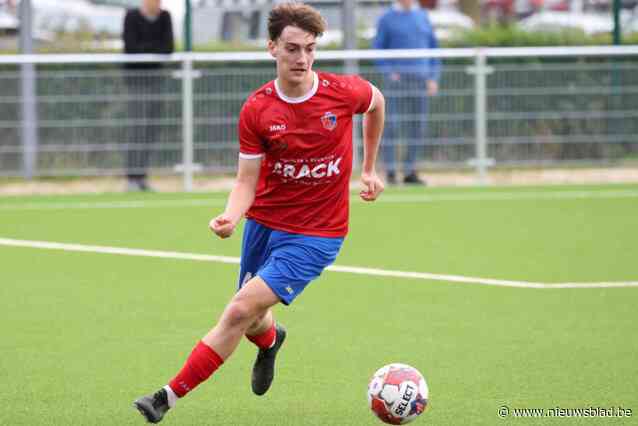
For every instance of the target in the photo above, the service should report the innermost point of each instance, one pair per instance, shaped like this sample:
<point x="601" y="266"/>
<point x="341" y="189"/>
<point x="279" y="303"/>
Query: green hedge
<point x="512" y="36"/>
<point x="492" y="36"/>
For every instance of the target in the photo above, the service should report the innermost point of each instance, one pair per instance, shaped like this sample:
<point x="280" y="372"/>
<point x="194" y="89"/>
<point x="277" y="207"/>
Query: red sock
<point x="199" y="366"/>
<point x="265" y="339"/>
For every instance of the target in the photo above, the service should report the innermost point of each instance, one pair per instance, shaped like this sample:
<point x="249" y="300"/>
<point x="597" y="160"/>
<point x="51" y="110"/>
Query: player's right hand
<point x="223" y="226"/>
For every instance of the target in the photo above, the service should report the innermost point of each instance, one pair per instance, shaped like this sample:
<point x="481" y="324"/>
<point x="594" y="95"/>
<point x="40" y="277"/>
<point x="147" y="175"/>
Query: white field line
<point x="335" y="268"/>
<point x="136" y="204"/>
<point x="116" y="250"/>
<point x="434" y="198"/>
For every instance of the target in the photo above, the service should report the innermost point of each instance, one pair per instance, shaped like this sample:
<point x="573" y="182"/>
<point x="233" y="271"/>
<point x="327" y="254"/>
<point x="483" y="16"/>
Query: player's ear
<point x="272" y="48"/>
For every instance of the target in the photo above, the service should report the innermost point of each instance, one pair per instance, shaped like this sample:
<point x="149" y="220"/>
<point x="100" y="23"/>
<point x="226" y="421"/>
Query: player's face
<point x="294" y="51"/>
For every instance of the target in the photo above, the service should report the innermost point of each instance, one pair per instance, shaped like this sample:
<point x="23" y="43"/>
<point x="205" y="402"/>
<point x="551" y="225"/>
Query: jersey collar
<point x="304" y="98"/>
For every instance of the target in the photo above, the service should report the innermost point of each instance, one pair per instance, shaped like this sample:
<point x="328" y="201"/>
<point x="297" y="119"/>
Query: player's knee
<point x="241" y="313"/>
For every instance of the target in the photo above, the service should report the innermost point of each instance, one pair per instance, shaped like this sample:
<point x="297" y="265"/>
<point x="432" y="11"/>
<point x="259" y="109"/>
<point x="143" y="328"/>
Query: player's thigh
<point x="248" y="304"/>
<point x="254" y="249"/>
<point x="257" y="296"/>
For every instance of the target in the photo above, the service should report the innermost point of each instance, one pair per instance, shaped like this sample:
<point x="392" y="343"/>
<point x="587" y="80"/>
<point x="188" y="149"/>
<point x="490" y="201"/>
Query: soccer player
<point x="295" y="163"/>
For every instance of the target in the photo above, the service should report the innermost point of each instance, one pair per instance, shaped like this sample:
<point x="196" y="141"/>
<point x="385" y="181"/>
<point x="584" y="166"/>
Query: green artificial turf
<point x="84" y="334"/>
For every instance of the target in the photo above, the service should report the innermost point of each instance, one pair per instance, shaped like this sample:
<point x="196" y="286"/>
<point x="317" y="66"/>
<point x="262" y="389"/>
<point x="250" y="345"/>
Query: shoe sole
<point x="144" y="413"/>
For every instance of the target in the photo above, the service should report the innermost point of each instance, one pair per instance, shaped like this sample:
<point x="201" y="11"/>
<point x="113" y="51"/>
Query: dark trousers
<point x="145" y="109"/>
<point x="406" y="104"/>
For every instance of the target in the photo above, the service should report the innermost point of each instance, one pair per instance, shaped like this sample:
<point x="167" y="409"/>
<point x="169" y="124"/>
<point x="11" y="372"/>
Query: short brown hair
<point x="298" y="15"/>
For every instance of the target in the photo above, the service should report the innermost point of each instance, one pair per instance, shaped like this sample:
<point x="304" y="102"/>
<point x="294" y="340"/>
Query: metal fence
<point x="495" y="107"/>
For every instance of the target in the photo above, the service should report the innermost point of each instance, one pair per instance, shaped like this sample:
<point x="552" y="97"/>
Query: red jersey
<point x="306" y="145"/>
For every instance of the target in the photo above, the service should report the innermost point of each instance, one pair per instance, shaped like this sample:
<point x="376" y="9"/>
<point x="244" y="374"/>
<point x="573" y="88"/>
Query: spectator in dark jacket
<point x="407" y="82"/>
<point x="148" y="29"/>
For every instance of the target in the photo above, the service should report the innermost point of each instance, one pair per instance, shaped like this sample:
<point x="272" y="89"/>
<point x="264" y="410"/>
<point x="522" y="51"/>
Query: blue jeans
<point x="406" y="103"/>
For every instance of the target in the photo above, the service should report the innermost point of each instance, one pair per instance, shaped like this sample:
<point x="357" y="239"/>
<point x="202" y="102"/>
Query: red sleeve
<point x="250" y="145"/>
<point x="360" y="93"/>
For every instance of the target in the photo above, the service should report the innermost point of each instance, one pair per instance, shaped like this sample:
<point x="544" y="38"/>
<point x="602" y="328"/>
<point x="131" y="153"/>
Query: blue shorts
<point x="286" y="262"/>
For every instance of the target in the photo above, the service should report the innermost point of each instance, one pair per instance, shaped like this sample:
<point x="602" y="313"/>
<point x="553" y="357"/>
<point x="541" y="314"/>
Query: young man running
<point x="295" y="163"/>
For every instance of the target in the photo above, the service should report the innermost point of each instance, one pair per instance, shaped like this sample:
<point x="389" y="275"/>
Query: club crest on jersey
<point x="329" y="121"/>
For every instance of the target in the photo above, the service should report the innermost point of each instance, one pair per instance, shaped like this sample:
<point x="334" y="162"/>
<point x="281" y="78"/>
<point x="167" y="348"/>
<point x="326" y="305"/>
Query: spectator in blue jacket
<point x="407" y="82"/>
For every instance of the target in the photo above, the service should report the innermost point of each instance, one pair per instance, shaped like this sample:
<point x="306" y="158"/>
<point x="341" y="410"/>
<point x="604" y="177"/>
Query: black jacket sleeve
<point x="131" y="37"/>
<point x="167" y="40"/>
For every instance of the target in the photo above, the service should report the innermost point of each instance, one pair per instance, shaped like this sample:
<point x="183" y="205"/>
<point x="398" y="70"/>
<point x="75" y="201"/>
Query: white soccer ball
<point x="397" y="394"/>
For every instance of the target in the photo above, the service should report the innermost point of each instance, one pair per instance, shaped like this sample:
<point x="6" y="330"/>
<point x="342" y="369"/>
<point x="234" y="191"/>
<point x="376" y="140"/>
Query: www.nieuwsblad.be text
<point x="505" y="411"/>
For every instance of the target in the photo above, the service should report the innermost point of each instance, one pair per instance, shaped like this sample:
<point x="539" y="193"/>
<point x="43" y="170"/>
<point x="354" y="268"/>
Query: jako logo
<point x="277" y="127"/>
<point x="317" y="171"/>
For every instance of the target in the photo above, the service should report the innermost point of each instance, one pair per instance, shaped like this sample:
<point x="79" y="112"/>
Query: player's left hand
<point x="373" y="186"/>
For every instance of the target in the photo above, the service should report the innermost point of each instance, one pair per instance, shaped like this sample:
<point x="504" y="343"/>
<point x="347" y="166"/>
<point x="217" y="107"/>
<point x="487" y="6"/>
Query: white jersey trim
<point x="304" y="98"/>
<point x="250" y="156"/>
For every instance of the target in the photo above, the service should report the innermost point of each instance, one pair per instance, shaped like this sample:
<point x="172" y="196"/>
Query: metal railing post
<point x="351" y="66"/>
<point x="187" y="123"/>
<point x="480" y="109"/>
<point x="480" y="71"/>
<point x="29" y="110"/>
